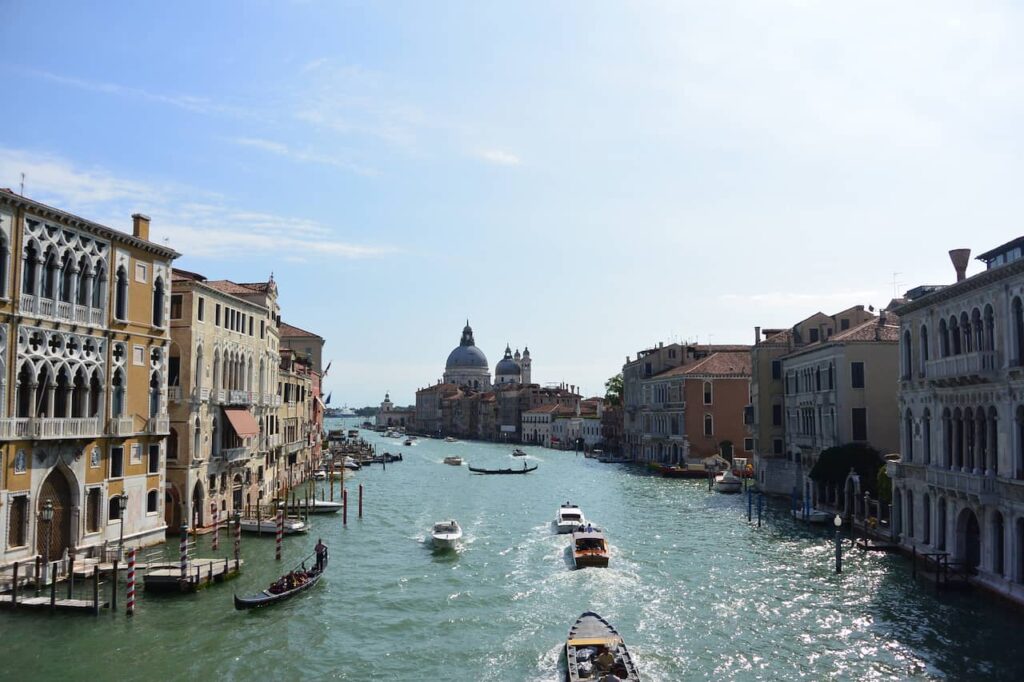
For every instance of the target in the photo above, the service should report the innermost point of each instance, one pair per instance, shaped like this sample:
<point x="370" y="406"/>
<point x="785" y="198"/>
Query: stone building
<point x="300" y="437"/>
<point x="467" y="364"/>
<point x="391" y="415"/>
<point x="957" y="487"/>
<point x="224" y="404"/>
<point x="83" y="382"/>
<point x="777" y="472"/>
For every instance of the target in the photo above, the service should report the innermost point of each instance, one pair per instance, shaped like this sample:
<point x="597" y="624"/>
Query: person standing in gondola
<point x="321" y="555"/>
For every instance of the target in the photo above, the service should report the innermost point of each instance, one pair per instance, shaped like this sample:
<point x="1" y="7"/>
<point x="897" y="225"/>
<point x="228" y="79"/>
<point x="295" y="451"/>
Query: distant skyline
<point x="586" y="179"/>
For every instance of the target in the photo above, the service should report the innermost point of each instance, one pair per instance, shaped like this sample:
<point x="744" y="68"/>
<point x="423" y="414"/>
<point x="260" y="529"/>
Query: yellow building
<point x="83" y="382"/>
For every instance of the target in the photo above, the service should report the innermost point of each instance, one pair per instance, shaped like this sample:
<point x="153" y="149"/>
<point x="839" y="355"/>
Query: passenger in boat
<point x="590" y="528"/>
<point x="605" y="661"/>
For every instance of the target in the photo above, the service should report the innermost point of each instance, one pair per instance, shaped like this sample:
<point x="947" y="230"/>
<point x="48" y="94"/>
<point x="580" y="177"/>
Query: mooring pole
<point x="344" y="507"/>
<point x="760" y="504"/>
<point x="360" y="500"/>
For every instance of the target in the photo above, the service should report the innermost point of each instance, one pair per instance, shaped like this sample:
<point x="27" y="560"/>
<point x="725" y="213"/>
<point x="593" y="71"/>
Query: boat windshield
<point x="571" y="516"/>
<point x="583" y="544"/>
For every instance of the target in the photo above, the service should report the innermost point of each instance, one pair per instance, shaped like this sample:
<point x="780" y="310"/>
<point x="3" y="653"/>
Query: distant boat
<point x="684" y="471"/>
<point x="569" y="518"/>
<point x="813" y="516"/>
<point x="727" y="482"/>
<point x="315" y="507"/>
<point x="518" y="453"/>
<point x="589" y="548"/>
<point x="524" y="470"/>
<point x="346" y="412"/>
<point x="446" y="533"/>
<point x="449" y="439"/>
<point x="454" y="461"/>
<point x="408" y="441"/>
<point x="269" y="526"/>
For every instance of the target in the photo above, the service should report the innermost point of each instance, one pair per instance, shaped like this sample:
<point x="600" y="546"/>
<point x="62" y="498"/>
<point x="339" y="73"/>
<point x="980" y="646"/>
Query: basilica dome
<point x="466" y="355"/>
<point x="507" y="366"/>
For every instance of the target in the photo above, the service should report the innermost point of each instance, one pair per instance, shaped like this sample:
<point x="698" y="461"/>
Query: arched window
<point x="926" y="519"/>
<point x="172" y="444"/>
<point x="908" y="356"/>
<point x="50" y="271"/>
<point x="990" y="329"/>
<point x="993" y="440"/>
<point x="924" y="349"/>
<point x="954" y="336"/>
<point x="121" y="295"/>
<point x="95" y="393"/>
<point x="114" y="508"/>
<point x="154" y="394"/>
<point x="978" y="330"/>
<point x="152" y="502"/>
<point x="67" y="278"/>
<point x="117" y="394"/>
<point x="30" y="270"/>
<point x="83" y="278"/>
<point x="196" y="440"/>
<point x="25" y="390"/>
<point x="709" y="425"/>
<point x="943" y="339"/>
<point x="158" y="302"/>
<point x="965" y="330"/>
<point x="926" y="436"/>
<point x="99" y="286"/>
<point x="5" y="253"/>
<point x="908" y="436"/>
<point x="1018" y="331"/>
<point x="708" y="394"/>
<point x="910" y="514"/>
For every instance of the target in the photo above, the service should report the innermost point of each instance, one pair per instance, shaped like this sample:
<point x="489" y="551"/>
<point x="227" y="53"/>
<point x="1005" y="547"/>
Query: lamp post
<point x="838" y="521"/>
<point x="122" y="504"/>
<point x="46" y="516"/>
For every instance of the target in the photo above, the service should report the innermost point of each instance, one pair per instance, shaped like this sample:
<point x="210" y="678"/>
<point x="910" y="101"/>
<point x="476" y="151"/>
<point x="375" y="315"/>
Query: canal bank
<point x="697" y="592"/>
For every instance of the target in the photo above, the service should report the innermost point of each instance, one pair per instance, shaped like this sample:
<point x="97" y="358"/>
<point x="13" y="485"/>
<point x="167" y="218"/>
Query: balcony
<point x="239" y="397"/>
<point x="276" y="401"/>
<point x="966" y="368"/>
<point x="234" y="454"/>
<point x="294" y="446"/>
<point x="41" y="428"/>
<point x="174" y="394"/>
<point x="159" y="425"/>
<point x="267" y="399"/>
<point x="121" y="426"/>
<point x="966" y="485"/>
<point x="61" y="310"/>
<point x="200" y="395"/>
<point x="218" y="396"/>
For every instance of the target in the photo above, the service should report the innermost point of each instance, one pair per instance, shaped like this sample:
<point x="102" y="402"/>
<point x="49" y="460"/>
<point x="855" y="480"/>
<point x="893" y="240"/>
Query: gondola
<point x="524" y="470"/>
<point x="594" y="649"/>
<point x="266" y="597"/>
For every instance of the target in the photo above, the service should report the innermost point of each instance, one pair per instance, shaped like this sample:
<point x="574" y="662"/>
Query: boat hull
<point x="267" y="598"/>
<point x="503" y="471"/>
<point x="269" y="526"/>
<point x="590" y="635"/>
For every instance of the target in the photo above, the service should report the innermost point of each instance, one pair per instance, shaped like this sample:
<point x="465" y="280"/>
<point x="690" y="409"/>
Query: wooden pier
<point x="199" y="574"/>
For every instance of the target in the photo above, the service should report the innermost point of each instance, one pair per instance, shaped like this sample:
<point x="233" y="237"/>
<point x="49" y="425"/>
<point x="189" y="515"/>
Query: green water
<point x="697" y="592"/>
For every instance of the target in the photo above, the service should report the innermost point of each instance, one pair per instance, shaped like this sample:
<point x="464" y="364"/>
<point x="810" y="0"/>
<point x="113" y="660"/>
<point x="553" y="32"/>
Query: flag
<point x="327" y="368"/>
<point x="328" y="401"/>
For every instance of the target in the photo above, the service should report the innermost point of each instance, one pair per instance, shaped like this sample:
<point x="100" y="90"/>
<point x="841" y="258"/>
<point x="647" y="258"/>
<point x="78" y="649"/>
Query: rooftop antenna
<point x="22" y="192"/>
<point x="896" y="284"/>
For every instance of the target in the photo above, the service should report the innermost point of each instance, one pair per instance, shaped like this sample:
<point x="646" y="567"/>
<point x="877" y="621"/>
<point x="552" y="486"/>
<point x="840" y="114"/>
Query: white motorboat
<point x="319" y="475"/>
<point x="813" y="516"/>
<point x="569" y="518"/>
<point x="269" y="526"/>
<point x="449" y="439"/>
<point x="446" y="533"/>
<point x="352" y="465"/>
<point x="454" y="461"/>
<point x="728" y="482"/>
<point x="315" y="507"/>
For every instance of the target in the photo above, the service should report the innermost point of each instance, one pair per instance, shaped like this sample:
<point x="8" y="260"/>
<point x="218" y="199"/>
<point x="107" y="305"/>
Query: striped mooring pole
<point x="216" y="530"/>
<point x="131" y="582"/>
<point x="280" y="534"/>
<point x="183" y="551"/>
<point x="238" y="539"/>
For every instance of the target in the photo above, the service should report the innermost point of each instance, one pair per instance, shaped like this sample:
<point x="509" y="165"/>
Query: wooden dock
<point x="199" y="574"/>
<point x="44" y="603"/>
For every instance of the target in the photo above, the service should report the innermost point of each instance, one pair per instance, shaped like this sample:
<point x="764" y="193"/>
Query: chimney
<point x="140" y="226"/>
<point x="757" y="335"/>
<point x="960" y="258"/>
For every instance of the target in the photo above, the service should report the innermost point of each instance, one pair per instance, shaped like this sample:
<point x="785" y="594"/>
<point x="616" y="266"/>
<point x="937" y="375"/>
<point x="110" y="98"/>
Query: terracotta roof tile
<point x="872" y="330"/>
<point x="288" y="330"/>
<point x="723" y="364"/>
<point x="229" y="287"/>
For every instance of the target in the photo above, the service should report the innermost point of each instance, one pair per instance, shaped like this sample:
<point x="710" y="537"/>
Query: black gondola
<point x="267" y="597"/>
<point x="524" y="470"/>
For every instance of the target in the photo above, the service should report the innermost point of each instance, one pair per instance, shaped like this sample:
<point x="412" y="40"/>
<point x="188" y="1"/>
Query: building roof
<point x="725" y="364"/>
<point x="288" y="330"/>
<point x="229" y="287"/>
<point x="883" y="329"/>
<point x="544" y="409"/>
<point x="179" y="275"/>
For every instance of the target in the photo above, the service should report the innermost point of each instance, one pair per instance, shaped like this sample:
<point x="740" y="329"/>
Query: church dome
<point x="467" y="355"/>
<point x="508" y="366"/>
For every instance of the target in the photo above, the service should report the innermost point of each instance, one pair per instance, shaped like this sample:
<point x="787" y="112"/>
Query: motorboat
<point x="449" y="439"/>
<point x="269" y="526"/>
<point x="728" y="482"/>
<point x="589" y="548"/>
<point x="518" y="453"/>
<point x="684" y="471"/>
<point x="595" y="651"/>
<point x="454" y="461"/>
<point x="285" y="587"/>
<point x="315" y="507"/>
<point x="319" y="475"/>
<point x="812" y="516"/>
<point x="408" y="441"/>
<point x="446" y="533"/>
<point x="351" y="464"/>
<point x="569" y="518"/>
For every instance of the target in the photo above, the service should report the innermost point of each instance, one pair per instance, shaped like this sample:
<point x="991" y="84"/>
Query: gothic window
<point x="154" y="394"/>
<point x="152" y="502"/>
<point x="50" y="269"/>
<point x="94" y="458"/>
<point x="121" y="295"/>
<point x="83" y="277"/>
<point x="31" y="269"/>
<point x="99" y="283"/>
<point x="67" y="278"/>
<point x="924" y="348"/>
<point x="709" y="425"/>
<point x="5" y="252"/>
<point x="158" y="302"/>
<point x="707" y="393"/>
<point x="92" y="510"/>
<point x="118" y="387"/>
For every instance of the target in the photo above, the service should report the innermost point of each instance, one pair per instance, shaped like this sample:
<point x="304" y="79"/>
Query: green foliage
<point x="834" y="464"/>
<point x="884" y="485"/>
<point x="613" y="390"/>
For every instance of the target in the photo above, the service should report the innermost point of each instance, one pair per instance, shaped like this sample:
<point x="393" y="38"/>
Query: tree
<point x="884" y="484"/>
<point x="834" y="464"/>
<point x="613" y="390"/>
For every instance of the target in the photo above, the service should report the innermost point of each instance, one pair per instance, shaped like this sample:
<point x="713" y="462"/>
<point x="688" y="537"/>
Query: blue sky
<point x="585" y="178"/>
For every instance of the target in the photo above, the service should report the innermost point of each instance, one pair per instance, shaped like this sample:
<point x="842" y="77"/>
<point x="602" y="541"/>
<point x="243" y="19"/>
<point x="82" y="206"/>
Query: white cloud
<point x="197" y="223"/>
<point x="498" y="156"/>
<point x="305" y="156"/>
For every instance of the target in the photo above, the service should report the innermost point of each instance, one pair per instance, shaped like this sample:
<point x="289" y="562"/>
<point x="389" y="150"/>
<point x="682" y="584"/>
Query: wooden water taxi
<point x="595" y="651"/>
<point x="454" y="461"/>
<point x="589" y="549"/>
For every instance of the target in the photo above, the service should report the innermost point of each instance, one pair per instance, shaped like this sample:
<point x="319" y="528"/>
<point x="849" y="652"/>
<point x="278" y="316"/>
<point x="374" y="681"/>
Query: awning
<point x="242" y="421"/>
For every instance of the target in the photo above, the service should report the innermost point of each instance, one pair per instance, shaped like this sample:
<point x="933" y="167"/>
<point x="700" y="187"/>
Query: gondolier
<point x="321" y="554"/>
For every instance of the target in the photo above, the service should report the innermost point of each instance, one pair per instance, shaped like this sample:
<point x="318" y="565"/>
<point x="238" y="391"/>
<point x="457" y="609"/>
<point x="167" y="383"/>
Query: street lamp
<point x="122" y="504"/>
<point x="46" y="516"/>
<point x="838" y="521"/>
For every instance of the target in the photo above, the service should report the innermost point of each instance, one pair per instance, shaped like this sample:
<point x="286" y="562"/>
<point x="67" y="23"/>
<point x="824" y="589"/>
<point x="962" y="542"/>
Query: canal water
<point x="697" y="592"/>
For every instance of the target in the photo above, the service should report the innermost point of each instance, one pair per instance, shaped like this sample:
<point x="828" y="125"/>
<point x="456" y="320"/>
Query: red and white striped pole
<point x="183" y="551"/>
<point x="238" y="538"/>
<point x="131" y="581"/>
<point x="216" y="530"/>
<point x="280" y="534"/>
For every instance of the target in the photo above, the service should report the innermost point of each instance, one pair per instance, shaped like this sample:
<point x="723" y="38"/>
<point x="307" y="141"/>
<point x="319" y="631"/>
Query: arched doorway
<point x="236" y="492"/>
<point x="197" y="505"/>
<point x="57" y="533"/>
<point x="968" y="539"/>
<point x="172" y="508"/>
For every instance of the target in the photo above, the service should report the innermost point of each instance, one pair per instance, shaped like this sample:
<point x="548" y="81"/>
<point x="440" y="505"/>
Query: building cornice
<point x="982" y="279"/>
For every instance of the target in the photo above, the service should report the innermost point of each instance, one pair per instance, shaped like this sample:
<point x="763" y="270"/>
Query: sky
<point x="585" y="178"/>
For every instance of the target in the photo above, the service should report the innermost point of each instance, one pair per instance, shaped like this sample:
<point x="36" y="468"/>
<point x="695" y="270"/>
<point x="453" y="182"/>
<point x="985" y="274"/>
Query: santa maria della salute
<point x="467" y="365"/>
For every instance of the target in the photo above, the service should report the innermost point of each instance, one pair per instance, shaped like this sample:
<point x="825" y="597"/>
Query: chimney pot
<point x="757" y="335"/>
<point x="960" y="258"/>
<point x="140" y="226"/>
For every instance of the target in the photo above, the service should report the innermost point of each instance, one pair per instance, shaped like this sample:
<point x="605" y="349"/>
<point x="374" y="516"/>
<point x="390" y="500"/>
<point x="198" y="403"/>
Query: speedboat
<point x="269" y="526"/>
<point x="454" y="461"/>
<point x="352" y="465"/>
<point x="315" y="507"/>
<point x="408" y="441"/>
<point x="813" y="516"/>
<point x="446" y="533"/>
<point x="589" y="549"/>
<point x="728" y="482"/>
<point x="319" y="475"/>
<point x="518" y="453"/>
<point x="569" y="518"/>
<point x="595" y="651"/>
<point x="449" y="439"/>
